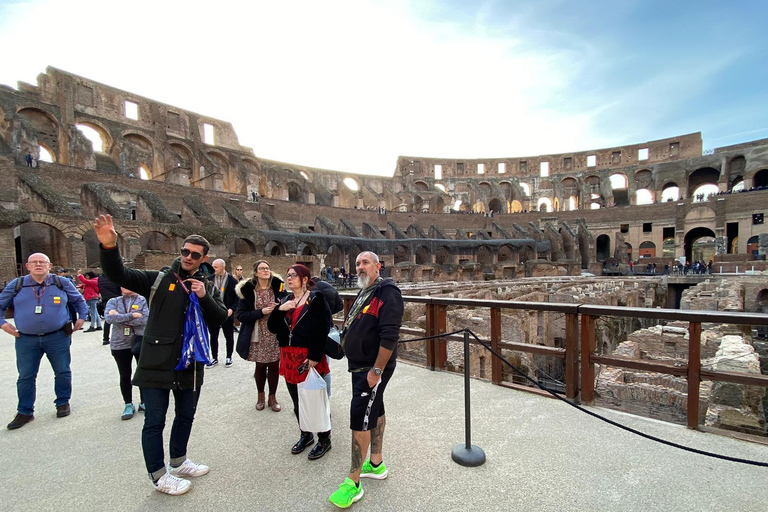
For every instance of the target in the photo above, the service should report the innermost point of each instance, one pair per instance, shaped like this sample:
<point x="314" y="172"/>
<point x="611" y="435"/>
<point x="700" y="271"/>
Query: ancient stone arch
<point x="274" y="248"/>
<point x="107" y="139"/>
<point x="243" y="246"/>
<point x="484" y="255"/>
<point x="602" y="247"/>
<point x="402" y="254"/>
<point x="701" y="176"/>
<point x="443" y="256"/>
<point x="422" y="255"/>
<point x="306" y="249"/>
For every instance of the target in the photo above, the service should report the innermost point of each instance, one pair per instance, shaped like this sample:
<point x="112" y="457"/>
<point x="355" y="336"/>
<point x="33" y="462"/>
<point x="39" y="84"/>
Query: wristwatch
<point x="376" y="371"/>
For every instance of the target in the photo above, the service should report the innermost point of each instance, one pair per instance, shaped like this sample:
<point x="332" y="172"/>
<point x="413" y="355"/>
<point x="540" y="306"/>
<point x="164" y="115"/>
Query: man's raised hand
<point x="105" y="231"/>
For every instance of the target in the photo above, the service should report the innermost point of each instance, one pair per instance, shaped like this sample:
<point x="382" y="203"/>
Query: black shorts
<point x="367" y="403"/>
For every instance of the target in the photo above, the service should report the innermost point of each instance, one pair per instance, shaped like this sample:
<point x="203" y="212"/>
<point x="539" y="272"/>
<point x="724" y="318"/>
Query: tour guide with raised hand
<point x="42" y="316"/>
<point x="370" y="335"/>
<point x="156" y="372"/>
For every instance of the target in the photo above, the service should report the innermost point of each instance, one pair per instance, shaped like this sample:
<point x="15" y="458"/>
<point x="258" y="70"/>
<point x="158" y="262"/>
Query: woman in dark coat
<point x="258" y="297"/>
<point x="301" y="324"/>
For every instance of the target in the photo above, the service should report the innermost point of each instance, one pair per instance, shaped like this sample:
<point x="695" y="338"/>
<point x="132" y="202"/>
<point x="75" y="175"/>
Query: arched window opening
<point x="351" y="184"/>
<point x="526" y="188"/>
<point x="703" y="192"/>
<point x="545" y="204"/>
<point x="144" y="172"/>
<point x="643" y="196"/>
<point x="738" y="185"/>
<point x="618" y="181"/>
<point x="93" y="136"/>
<point x="647" y="250"/>
<point x="45" y="155"/>
<point x="670" y="193"/>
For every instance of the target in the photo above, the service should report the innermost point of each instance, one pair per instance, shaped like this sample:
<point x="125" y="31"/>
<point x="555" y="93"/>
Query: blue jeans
<point x="156" y="401"/>
<point x="29" y="352"/>
<point x="94" y="312"/>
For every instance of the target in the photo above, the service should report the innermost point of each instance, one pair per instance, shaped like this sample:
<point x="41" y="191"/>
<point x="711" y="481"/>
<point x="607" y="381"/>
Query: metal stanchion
<point x="467" y="454"/>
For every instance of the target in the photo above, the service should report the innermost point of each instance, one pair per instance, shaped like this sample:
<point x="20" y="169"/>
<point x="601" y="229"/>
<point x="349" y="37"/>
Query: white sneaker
<point x="172" y="485"/>
<point x="228" y="364"/>
<point x="189" y="468"/>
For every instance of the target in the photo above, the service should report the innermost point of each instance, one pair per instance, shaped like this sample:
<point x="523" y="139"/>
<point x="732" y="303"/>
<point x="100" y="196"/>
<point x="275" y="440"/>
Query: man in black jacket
<point x="370" y="335"/>
<point x="225" y="283"/>
<point x="168" y="296"/>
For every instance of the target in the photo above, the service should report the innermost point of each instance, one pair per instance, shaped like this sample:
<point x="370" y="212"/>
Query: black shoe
<point x="20" y="420"/>
<point x="105" y="342"/>
<point x="63" y="410"/>
<point x="97" y="329"/>
<point x="320" y="449"/>
<point x="306" y="439"/>
<point x="90" y="329"/>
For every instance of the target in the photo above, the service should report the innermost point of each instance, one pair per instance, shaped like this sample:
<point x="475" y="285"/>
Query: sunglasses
<point x="195" y="255"/>
<point x="239" y="269"/>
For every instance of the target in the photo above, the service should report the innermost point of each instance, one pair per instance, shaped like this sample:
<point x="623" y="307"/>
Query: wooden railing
<point x="581" y="354"/>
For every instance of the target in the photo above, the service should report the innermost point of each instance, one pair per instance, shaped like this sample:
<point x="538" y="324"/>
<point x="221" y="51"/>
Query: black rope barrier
<point x="614" y="423"/>
<point x="467" y="332"/>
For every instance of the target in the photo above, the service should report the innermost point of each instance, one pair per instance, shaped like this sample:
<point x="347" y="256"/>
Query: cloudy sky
<point x="351" y="84"/>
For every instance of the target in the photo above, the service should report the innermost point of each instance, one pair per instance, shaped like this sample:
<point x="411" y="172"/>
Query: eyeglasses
<point x="261" y="269"/>
<point x="291" y="275"/>
<point x="39" y="262"/>
<point x="195" y="255"/>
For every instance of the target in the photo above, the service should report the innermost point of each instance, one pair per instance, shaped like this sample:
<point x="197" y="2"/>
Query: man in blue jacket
<point x="370" y="335"/>
<point x="42" y="327"/>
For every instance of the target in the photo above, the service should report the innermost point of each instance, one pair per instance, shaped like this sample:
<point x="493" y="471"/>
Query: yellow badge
<point x="172" y="287"/>
<point x="135" y="306"/>
<point x="365" y="309"/>
<point x="57" y="300"/>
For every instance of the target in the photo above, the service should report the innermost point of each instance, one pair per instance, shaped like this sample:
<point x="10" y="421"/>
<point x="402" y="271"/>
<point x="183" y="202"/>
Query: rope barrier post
<point x="467" y="454"/>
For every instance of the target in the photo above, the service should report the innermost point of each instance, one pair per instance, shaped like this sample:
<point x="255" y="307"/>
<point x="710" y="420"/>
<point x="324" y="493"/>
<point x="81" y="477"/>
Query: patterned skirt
<point x="290" y="360"/>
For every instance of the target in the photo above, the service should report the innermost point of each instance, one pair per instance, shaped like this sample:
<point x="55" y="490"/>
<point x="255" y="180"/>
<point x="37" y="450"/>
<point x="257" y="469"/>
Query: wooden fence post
<point x="571" y="355"/>
<point x="496" y="370"/>
<point x="694" y="373"/>
<point x="587" y="366"/>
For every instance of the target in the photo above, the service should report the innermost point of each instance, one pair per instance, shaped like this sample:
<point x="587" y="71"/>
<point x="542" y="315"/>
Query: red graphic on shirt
<point x="373" y="308"/>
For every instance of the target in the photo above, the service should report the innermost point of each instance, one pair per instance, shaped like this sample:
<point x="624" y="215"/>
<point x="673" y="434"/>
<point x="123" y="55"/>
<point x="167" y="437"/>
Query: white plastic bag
<point x="314" y="405"/>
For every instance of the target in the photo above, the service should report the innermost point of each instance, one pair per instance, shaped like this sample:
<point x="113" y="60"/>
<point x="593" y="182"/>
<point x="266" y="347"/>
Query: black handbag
<point x="333" y="344"/>
<point x="136" y="345"/>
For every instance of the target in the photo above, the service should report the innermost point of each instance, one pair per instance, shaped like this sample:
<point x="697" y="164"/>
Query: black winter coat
<point x="311" y="329"/>
<point x="377" y="324"/>
<point x="164" y="332"/>
<point x="246" y="313"/>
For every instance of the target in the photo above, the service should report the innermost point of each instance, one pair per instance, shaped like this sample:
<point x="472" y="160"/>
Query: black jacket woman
<point x="301" y="324"/>
<point x="258" y="297"/>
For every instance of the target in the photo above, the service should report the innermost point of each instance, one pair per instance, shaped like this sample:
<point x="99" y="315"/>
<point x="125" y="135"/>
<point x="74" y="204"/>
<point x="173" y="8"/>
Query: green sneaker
<point x="368" y="471"/>
<point x="347" y="494"/>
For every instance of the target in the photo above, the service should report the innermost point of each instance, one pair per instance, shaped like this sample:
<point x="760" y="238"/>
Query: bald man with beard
<point x="226" y="283"/>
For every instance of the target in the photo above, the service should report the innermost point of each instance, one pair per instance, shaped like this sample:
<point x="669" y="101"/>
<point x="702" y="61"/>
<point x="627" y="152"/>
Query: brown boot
<point x="260" y="402"/>
<point x="273" y="403"/>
